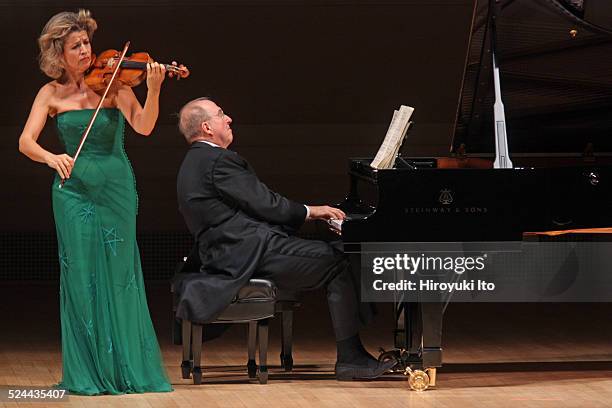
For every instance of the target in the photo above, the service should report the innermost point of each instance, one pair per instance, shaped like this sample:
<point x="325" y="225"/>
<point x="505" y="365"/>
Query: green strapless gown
<point x="108" y="341"/>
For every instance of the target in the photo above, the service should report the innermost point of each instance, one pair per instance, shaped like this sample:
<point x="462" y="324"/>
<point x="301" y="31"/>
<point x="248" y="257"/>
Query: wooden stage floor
<point x="495" y="355"/>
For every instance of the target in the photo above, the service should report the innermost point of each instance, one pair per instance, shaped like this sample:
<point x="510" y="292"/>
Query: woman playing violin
<point x="108" y="341"/>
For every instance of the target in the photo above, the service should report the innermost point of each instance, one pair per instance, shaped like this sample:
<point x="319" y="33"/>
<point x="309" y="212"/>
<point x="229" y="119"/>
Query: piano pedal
<point x="399" y="355"/>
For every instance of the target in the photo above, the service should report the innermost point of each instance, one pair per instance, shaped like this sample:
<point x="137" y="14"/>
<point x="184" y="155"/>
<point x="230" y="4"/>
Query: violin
<point x="112" y="65"/>
<point x="132" y="71"/>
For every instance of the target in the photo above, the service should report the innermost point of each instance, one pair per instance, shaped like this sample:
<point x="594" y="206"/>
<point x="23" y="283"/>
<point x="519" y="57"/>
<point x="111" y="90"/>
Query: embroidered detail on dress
<point x="109" y="341"/>
<point x="131" y="283"/>
<point x="88" y="327"/>
<point x="87" y="212"/>
<point x="111" y="239"/>
<point x="63" y="258"/>
<point x="64" y="266"/>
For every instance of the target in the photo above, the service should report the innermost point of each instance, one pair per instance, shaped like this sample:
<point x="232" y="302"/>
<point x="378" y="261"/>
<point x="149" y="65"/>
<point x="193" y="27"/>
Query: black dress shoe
<point x="348" y="372"/>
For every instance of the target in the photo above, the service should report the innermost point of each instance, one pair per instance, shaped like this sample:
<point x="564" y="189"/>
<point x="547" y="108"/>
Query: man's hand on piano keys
<point x="335" y="226"/>
<point x="325" y="212"/>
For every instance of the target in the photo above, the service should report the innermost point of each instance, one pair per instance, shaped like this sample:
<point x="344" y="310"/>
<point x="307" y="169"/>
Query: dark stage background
<point x="308" y="84"/>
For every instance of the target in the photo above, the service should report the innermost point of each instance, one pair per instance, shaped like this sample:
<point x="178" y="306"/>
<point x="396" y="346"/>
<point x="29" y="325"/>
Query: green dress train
<point x="108" y="341"/>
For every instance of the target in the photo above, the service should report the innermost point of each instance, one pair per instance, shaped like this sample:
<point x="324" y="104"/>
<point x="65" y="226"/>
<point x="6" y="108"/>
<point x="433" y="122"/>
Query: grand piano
<point x="545" y="168"/>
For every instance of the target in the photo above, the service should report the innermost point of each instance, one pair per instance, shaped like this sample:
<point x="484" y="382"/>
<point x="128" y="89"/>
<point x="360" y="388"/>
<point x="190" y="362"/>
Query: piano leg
<point x="419" y="332"/>
<point x="409" y="330"/>
<point x="431" y="314"/>
<point x="415" y="332"/>
<point x="401" y="326"/>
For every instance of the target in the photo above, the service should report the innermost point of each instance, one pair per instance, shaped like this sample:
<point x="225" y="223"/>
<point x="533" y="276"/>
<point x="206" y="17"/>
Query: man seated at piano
<point x="244" y="230"/>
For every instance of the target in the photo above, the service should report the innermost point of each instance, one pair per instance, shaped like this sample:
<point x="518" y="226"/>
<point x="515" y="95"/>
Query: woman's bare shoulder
<point x="49" y="95"/>
<point x="48" y="90"/>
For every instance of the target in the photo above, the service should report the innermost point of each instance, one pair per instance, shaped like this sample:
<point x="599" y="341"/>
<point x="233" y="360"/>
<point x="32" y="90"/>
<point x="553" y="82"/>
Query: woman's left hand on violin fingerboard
<point x="156" y="73"/>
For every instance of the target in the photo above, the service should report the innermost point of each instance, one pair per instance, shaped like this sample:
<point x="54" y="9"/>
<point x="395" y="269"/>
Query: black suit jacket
<point x="231" y="215"/>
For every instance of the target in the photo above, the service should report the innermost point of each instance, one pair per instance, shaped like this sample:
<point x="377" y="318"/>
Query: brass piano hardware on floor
<point x="419" y="379"/>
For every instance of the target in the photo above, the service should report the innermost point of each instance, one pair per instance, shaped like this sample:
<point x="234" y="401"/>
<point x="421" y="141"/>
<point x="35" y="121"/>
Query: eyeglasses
<point x="219" y="114"/>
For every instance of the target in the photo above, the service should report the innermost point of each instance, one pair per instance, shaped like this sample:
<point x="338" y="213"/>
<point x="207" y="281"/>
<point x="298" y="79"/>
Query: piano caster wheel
<point x="252" y="369"/>
<point x="186" y="369"/>
<point x="197" y="375"/>
<point x="418" y="380"/>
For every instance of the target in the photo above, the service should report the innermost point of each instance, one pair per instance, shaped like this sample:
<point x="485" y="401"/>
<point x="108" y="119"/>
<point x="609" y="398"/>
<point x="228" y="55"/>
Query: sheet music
<point x="385" y="149"/>
<point x="399" y="145"/>
<point x="385" y="157"/>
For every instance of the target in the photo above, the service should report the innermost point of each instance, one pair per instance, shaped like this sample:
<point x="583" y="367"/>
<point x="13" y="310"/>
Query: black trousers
<point x="299" y="265"/>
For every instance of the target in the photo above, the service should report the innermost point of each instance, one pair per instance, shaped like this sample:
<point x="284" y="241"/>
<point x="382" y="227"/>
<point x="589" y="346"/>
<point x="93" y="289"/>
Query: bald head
<point x="191" y="117"/>
<point x="203" y="119"/>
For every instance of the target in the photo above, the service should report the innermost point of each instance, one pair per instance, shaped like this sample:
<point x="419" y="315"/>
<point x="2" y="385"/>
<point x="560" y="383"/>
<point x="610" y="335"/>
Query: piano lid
<point x="555" y="58"/>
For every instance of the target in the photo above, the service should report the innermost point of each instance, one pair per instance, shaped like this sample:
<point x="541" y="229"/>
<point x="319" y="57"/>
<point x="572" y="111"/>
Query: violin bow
<point x="95" y="114"/>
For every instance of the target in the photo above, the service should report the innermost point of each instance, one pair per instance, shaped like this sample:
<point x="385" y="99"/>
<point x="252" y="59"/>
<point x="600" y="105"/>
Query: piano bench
<point x="256" y="302"/>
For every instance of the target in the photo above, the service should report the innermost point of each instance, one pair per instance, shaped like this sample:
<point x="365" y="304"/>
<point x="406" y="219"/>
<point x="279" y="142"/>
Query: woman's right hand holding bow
<point x="62" y="163"/>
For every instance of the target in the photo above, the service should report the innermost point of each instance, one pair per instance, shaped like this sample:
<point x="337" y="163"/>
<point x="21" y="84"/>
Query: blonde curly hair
<point x="53" y="35"/>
